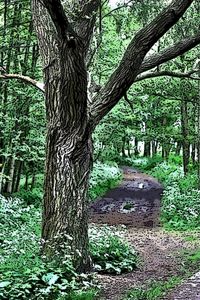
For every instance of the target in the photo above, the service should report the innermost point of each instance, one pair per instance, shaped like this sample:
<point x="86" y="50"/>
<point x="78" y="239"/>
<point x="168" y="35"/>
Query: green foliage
<point x="103" y="178"/>
<point x="110" y="253"/>
<point x="181" y="198"/>
<point x="24" y="274"/>
<point x="88" y="295"/>
<point x="30" y="197"/>
<point x="147" y="163"/>
<point x="194" y="258"/>
<point x="154" y="291"/>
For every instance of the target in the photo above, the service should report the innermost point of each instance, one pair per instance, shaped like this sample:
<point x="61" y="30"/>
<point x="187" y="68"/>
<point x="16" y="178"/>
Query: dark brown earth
<point x="135" y="202"/>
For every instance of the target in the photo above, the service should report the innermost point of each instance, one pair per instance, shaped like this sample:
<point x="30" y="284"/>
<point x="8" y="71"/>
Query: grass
<point x="154" y="290"/>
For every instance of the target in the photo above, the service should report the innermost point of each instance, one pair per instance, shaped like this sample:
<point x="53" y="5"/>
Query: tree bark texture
<point x="71" y="117"/>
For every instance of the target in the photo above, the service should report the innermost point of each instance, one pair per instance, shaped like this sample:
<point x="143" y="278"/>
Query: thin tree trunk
<point x="129" y="148"/>
<point x="11" y="175"/>
<point x="33" y="181"/>
<point x="123" y="146"/>
<point x="186" y="144"/>
<point x="147" y="149"/>
<point x="178" y="148"/>
<point x="26" y="182"/>
<point x="136" y="152"/>
<point x="18" y="176"/>
<point x="193" y="152"/>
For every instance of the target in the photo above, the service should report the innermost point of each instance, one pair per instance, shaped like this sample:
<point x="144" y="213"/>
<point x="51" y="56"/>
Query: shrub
<point x="181" y="199"/>
<point x="23" y="273"/>
<point x="110" y="253"/>
<point x="103" y="178"/>
<point x="33" y="197"/>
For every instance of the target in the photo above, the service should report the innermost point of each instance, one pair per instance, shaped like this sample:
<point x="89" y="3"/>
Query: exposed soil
<point x="135" y="202"/>
<point x="161" y="257"/>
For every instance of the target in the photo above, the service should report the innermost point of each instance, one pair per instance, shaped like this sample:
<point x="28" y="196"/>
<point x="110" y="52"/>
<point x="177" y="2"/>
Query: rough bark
<point x="125" y="74"/>
<point x="70" y="120"/>
<point x="68" y="157"/>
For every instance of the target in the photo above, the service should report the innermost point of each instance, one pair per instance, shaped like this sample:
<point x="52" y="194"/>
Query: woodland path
<point x="136" y="203"/>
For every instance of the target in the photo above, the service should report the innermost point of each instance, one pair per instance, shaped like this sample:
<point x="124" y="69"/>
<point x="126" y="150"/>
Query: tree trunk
<point x="18" y="176"/>
<point x="123" y="146"/>
<point x="11" y="175"/>
<point x="186" y="144"/>
<point x="69" y="146"/>
<point x="136" y="151"/>
<point x="147" y="149"/>
<point x="33" y="181"/>
<point x="154" y="148"/>
<point x="193" y="153"/>
<point x="178" y="148"/>
<point x="129" y="148"/>
<point x="65" y="198"/>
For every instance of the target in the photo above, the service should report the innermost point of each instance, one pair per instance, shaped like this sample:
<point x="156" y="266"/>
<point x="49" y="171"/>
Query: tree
<point x="64" y="37"/>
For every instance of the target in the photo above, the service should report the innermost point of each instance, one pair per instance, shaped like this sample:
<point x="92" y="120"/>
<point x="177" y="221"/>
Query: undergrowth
<point x="24" y="274"/>
<point x="154" y="290"/>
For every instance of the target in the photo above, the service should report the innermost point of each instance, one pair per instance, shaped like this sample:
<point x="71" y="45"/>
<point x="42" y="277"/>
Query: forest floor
<point x="136" y="203"/>
<point x="161" y="256"/>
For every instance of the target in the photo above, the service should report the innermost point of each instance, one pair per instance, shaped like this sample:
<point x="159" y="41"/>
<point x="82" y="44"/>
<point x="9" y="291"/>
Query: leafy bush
<point x="142" y="163"/>
<point x="33" y="197"/>
<point x="180" y="210"/>
<point x="110" y="253"/>
<point x="23" y="272"/>
<point x="103" y="178"/>
<point x="181" y="199"/>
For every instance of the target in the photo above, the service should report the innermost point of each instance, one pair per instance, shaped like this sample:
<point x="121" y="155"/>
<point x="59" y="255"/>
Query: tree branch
<point x="59" y="18"/>
<point x="126" y="72"/>
<point x="168" y="73"/>
<point x="86" y="20"/>
<point x="167" y="54"/>
<point x="26" y="79"/>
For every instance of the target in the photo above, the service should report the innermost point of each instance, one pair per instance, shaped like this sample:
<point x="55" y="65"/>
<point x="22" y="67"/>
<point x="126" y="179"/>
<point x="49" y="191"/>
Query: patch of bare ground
<point x="161" y="258"/>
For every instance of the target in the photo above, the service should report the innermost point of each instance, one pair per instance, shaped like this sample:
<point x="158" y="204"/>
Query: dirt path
<point x="160" y="253"/>
<point x="135" y="202"/>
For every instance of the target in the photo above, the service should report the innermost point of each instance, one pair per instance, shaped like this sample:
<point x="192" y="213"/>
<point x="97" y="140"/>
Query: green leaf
<point x="4" y="284"/>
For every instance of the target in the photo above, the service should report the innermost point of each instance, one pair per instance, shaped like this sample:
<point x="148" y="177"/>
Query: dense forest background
<point x="155" y="127"/>
<point x="158" y="115"/>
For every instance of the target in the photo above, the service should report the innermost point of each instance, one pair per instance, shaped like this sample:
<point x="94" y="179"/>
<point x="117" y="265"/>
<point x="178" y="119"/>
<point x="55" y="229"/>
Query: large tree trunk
<point x="65" y="199"/>
<point x="69" y="146"/>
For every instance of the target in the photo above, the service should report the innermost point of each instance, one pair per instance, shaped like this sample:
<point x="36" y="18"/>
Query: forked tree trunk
<point x="69" y="146"/>
<point x="71" y="117"/>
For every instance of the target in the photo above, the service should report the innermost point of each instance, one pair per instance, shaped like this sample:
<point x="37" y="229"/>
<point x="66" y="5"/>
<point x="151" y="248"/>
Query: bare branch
<point x="117" y="8"/>
<point x="177" y="49"/>
<point x="126" y="72"/>
<point x="26" y="79"/>
<point x="168" y="73"/>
